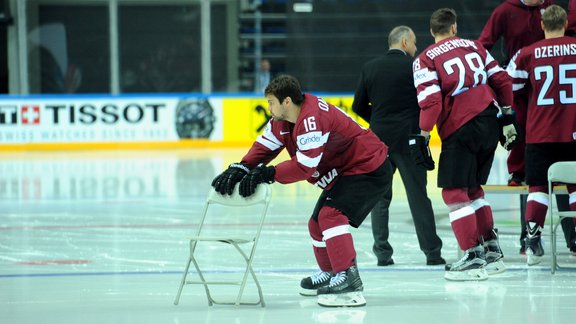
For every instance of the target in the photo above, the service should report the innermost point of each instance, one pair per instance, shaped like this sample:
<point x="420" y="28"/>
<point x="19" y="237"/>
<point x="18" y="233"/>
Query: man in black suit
<point x="386" y="98"/>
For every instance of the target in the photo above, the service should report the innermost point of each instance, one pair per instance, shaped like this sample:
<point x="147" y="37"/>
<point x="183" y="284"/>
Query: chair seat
<point x="223" y="239"/>
<point x="567" y="214"/>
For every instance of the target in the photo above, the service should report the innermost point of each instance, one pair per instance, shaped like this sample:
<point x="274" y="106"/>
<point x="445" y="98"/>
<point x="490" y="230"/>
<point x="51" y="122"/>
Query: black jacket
<point x="386" y="98"/>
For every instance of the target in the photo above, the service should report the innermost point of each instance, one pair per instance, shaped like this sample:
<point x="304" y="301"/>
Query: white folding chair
<point x="260" y="197"/>
<point x="559" y="172"/>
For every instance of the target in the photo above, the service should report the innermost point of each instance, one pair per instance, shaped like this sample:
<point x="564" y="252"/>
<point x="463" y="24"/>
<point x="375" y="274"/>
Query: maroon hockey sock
<point x="339" y="243"/>
<point x="463" y="222"/>
<point x="319" y="246"/>
<point x="462" y="216"/>
<point x="484" y="219"/>
<point x="537" y="205"/>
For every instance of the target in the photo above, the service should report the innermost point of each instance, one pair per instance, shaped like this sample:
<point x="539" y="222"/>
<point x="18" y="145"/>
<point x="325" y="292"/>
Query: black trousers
<point x="414" y="179"/>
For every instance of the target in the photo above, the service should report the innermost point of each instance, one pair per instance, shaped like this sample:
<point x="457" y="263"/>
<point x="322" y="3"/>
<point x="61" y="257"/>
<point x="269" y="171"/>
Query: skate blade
<point x="351" y="299"/>
<point x="308" y="292"/>
<point x="495" y="267"/>
<point x="468" y="275"/>
<point x="532" y="259"/>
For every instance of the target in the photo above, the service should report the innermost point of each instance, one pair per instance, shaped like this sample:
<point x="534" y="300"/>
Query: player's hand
<point x="420" y="151"/>
<point x="258" y="175"/>
<point x="224" y="183"/>
<point x="509" y="136"/>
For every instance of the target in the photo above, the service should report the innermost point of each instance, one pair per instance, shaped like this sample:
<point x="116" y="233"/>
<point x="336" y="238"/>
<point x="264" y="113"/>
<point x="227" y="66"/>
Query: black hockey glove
<point x="420" y="151"/>
<point x="224" y="183"/>
<point x="258" y="175"/>
<point x="509" y="129"/>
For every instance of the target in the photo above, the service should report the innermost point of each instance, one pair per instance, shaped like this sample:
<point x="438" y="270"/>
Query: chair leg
<point x="248" y="260"/>
<point x="258" y="286"/>
<point x="553" y="248"/>
<point x="183" y="282"/>
<point x="208" y="295"/>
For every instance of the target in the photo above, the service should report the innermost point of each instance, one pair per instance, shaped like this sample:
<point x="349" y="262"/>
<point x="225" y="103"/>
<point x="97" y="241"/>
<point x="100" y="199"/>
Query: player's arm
<point x="266" y="147"/>
<point x="498" y="80"/>
<point x="492" y="30"/>
<point x="429" y="93"/>
<point x="430" y="100"/>
<point x="520" y="77"/>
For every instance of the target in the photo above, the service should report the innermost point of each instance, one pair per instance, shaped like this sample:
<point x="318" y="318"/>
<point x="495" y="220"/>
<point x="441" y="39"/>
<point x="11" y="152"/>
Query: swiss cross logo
<point x="30" y="115"/>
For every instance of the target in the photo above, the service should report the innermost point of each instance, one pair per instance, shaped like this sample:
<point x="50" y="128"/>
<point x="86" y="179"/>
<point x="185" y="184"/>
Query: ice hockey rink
<point x="101" y="237"/>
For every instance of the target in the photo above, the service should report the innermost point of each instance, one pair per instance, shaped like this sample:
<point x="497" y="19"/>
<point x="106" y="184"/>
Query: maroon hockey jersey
<point x="517" y="23"/>
<point x="546" y="71"/>
<point x="455" y="80"/>
<point x="323" y="144"/>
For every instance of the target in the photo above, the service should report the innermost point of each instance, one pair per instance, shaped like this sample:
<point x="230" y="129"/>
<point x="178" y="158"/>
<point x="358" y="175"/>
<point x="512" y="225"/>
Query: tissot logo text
<point x="80" y="114"/>
<point x="107" y="113"/>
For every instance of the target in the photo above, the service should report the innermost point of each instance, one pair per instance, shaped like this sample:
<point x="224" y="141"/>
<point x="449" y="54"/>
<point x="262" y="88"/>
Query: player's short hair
<point x="441" y="20"/>
<point x="554" y="18"/>
<point x="284" y="86"/>
<point x="396" y="35"/>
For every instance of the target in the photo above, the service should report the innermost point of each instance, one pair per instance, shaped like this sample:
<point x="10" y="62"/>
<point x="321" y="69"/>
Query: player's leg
<point x="351" y="199"/>
<point x="310" y="285"/>
<point x="539" y="157"/>
<point x="464" y="155"/>
<point x="345" y="287"/>
<point x="484" y="218"/>
<point x="463" y="222"/>
<point x="486" y="230"/>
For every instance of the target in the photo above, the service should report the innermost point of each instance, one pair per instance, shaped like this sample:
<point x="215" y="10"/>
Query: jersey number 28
<point x="473" y="63"/>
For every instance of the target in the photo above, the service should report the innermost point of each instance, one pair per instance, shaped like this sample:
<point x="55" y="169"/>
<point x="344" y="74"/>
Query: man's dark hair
<point x="284" y="86"/>
<point x="441" y="20"/>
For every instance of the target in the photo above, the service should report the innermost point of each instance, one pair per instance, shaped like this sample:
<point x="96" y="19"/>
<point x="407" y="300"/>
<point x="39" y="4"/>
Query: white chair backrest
<point x="262" y="195"/>
<point x="564" y="172"/>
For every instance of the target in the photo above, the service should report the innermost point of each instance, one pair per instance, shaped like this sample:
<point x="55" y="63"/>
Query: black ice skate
<point x="534" y="249"/>
<point x="470" y="267"/>
<point x="309" y="286"/>
<point x="494" y="256"/>
<point x="345" y="289"/>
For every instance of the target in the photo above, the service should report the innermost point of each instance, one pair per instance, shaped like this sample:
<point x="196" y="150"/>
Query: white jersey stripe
<point x="493" y="70"/>
<point x="517" y="86"/>
<point x="428" y="91"/>
<point x="423" y="76"/>
<point x="518" y="74"/>
<point x="308" y="161"/>
<point x="270" y="144"/>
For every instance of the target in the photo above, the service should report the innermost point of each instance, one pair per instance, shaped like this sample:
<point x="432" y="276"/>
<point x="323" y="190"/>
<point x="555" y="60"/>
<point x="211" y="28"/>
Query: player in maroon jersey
<point x="458" y="83"/>
<point x="546" y="72"/>
<point x="330" y="150"/>
<point x="517" y="22"/>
